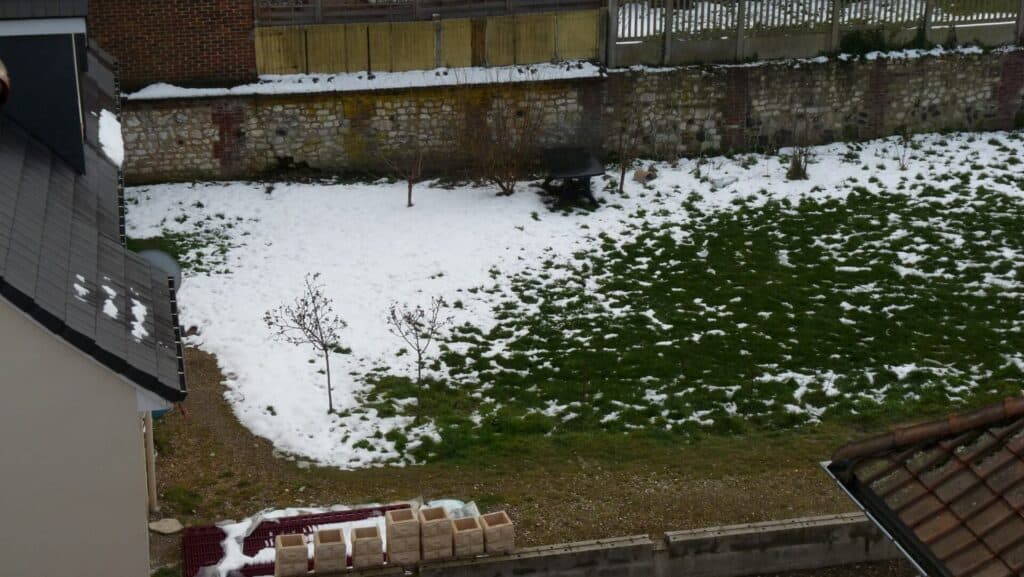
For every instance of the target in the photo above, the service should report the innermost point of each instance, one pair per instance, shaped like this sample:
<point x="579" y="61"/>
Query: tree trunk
<point x="622" y="174"/>
<point x="419" y="367"/>
<point x="330" y="396"/>
<point x="409" y="205"/>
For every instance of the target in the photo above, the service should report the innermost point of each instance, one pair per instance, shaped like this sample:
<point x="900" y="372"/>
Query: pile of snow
<point x="355" y="81"/>
<point x="110" y="137"/>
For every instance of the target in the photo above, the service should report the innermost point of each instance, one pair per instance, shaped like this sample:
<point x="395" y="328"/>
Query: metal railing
<point x="299" y="12"/>
<point x="643" y="19"/>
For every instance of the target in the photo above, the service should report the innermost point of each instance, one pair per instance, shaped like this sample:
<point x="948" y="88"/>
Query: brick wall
<point x="685" y="111"/>
<point x="183" y="42"/>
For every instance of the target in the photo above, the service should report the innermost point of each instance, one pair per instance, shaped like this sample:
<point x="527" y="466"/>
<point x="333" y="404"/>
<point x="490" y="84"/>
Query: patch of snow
<point x="109" y="308"/>
<point x="139" y="312"/>
<point x="110" y="137"/>
<point x="357" y="81"/>
<point x="371" y="251"/>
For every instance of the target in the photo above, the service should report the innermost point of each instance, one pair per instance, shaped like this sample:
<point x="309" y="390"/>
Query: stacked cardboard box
<point x="329" y="554"/>
<point x="469" y="537"/>
<point x="403" y="531"/>
<point x="435" y="534"/>
<point x="367" y="547"/>
<point x="291" y="558"/>
<point x="499" y="534"/>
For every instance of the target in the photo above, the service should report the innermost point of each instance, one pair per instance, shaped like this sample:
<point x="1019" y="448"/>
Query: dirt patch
<point x="211" y="468"/>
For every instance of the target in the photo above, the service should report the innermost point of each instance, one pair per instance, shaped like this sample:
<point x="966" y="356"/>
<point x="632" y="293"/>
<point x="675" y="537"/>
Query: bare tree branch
<point x="418" y="327"/>
<point x="310" y="320"/>
<point x="504" y="145"/>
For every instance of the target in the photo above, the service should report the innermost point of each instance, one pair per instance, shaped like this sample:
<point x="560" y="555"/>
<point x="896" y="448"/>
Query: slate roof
<point x="950" y="492"/>
<point x="63" y="263"/>
<point x="43" y="8"/>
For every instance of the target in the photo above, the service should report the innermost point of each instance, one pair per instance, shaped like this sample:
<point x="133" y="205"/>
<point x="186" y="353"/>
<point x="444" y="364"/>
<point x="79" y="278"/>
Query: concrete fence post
<point x="669" y="25"/>
<point x="926" y="24"/>
<point x="837" y="18"/>
<point x="438" y="42"/>
<point x="741" y="18"/>
<point x="1020" y="22"/>
<point x="613" y="32"/>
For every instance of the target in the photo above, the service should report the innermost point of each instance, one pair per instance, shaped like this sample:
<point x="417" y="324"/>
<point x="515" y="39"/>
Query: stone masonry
<point x="683" y="111"/>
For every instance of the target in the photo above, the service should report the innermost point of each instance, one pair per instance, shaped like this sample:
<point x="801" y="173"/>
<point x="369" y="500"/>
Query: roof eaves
<point x="57" y="326"/>
<point x="885" y="519"/>
<point x="924" y="432"/>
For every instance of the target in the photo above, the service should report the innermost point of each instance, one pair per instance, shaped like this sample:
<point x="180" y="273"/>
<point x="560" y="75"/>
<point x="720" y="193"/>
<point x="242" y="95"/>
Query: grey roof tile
<point x="61" y="260"/>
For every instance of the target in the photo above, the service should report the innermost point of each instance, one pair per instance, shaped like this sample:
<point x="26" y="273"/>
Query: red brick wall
<point x="183" y="42"/>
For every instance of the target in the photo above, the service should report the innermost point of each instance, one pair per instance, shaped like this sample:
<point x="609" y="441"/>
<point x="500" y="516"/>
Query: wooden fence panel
<point x="326" y="48"/>
<point x="579" y="35"/>
<point x="535" y="38"/>
<point x="295" y="12"/>
<point x="380" y="46"/>
<point x="501" y="41"/>
<point x="281" y="50"/>
<point x="457" y="43"/>
<point x="413" y="46"/>
<point x="357" y="56"/>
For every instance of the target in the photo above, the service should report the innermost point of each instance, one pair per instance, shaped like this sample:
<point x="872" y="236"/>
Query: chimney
<point x="5" y="84"/>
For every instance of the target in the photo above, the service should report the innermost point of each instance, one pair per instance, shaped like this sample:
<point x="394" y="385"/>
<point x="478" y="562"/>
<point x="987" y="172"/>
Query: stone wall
<point x="682" y="111"/>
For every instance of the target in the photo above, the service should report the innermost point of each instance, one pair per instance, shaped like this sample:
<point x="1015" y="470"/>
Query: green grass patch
<point x="761" y="320"/>
<point x="183" y="499"/>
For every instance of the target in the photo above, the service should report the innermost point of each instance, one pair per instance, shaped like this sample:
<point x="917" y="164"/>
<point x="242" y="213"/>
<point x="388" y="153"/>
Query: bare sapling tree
<point x="504" y="147"/>
<point x="905" y="142"/>
<point x="407" y="165"/>
<point x="310" y="320"/>
<point x="798" y="164"/>
<point x="801" y="152"/>
<point x="406" y="155"/>
<point x="419" y="328"/>
<point x="630" y="136"/>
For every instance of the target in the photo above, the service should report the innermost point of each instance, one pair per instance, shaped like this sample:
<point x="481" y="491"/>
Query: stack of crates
<point x="367" y="547"/>
<point x="329" y="554"/>
<point x="499" y="534"/>
<point x="469" y="537"/>
<point x="403" y="531"/>
<point x="291" y="557"/>
<point x="435" y="534"/>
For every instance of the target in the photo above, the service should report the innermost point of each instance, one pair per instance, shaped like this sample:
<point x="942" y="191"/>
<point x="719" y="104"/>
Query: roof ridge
<point x="930" y="431"/>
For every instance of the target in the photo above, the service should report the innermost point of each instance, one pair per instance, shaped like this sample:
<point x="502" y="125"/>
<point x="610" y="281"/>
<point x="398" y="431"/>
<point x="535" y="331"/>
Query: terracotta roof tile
<point x="950" y="492"/>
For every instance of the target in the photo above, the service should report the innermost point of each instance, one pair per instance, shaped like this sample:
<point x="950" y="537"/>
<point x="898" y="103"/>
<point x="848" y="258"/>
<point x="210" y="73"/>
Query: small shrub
<point x="183" y="499"/>
<point x="798" y="165"/>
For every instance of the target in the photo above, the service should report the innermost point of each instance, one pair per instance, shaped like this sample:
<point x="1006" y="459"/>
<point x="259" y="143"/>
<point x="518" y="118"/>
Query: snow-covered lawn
<point x="722" y="298"/>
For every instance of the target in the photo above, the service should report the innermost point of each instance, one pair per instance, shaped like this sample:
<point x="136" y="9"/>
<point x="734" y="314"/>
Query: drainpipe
<point x="5" y="84"/>
<point x="147" y="421"/>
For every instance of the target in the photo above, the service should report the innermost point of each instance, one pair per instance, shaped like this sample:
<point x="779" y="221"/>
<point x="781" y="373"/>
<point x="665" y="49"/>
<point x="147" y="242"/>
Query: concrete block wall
<point x="683" y="111"/>
<point x="731" y="551"/>
<point x="619" y="557"/>
<point x="760" y="548"/>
